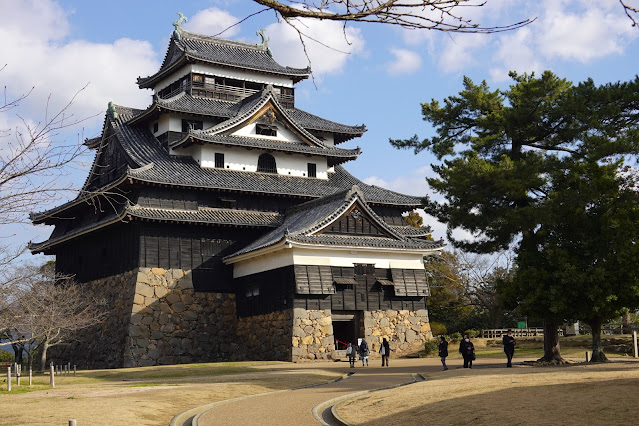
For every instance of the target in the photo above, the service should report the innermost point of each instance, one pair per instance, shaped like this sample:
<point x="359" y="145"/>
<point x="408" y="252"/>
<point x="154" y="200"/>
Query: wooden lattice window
<point x="266" y="164"/>
<point x="219" y="160"/>
<point x="312" y="170"/>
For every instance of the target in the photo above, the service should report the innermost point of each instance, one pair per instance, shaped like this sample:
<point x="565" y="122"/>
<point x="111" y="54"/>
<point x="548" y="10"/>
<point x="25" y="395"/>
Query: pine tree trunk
<point x="597" y="348"/>
<point x="43" y="356"/>
<point x="552" y="351"/>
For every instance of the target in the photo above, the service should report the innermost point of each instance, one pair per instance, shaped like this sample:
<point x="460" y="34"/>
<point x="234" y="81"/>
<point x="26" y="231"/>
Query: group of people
<point x="467" y="350"/>
<point x="361" y="348"/>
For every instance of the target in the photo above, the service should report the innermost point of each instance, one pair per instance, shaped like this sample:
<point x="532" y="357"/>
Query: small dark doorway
<point x="347" y="327"/>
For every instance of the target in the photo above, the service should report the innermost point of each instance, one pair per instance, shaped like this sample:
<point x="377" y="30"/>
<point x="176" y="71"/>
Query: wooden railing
<point x="226" y="92"/>
<point x="496" y="333"/>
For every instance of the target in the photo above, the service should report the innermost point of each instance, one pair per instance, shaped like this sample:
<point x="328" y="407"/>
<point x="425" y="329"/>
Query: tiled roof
<point x="411" y="231"/>
<point x="209" y="215"/>
<point x="151" y="163"/>
<point x="276" y="145"/>
<point x="219" y="51"/>
<point x="186" y="103"/>
<point x="304" y="220"/>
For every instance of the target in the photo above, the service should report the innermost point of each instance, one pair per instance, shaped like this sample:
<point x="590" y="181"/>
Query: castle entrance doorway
<point x="347" y="327"/>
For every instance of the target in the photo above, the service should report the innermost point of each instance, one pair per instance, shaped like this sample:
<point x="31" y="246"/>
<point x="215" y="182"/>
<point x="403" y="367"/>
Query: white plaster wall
<point x="283" y="133"/>
<point x="328" y="257"/>
<point x="246" y="160"/>
<point x="223" y="72"/>
<point x="267" y="262"/>
<point x="327" y="138"/>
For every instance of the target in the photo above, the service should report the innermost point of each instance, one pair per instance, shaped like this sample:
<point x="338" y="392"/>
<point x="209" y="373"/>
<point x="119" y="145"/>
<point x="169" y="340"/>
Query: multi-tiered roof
<point x="221" y="88"/>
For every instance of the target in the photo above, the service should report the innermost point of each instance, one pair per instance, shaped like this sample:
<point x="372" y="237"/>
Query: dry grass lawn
<point x="606" y="394"/>
<point x="144" y="396"/>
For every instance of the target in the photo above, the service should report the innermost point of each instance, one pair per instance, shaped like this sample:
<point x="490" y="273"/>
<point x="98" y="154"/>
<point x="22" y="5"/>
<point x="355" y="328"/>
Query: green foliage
<point x="431" y="346"/>
<point x="455" y="337"/>
<point x="471" y="333"/>
<point x="438" y="328"/>
<point x="6" y="356"/>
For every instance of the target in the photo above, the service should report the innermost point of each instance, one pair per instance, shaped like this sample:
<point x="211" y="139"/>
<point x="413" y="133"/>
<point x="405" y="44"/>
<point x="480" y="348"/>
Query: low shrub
<point x="431" y="347"/>
<point x="438" y="329"/>
<point x="472" y="333"/>
<point x="455" y="337"/>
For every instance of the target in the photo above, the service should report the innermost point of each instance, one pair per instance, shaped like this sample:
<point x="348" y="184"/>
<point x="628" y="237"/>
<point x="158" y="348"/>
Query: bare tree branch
<point x="439" y="15"/>
<point x="632" y="12"/>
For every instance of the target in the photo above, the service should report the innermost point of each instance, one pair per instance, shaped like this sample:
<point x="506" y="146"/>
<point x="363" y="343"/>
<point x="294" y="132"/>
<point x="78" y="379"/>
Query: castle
<point x="219" y="224"/>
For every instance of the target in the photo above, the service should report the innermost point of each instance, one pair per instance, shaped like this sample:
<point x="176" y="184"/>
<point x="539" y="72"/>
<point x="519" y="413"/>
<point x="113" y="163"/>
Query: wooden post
<point x="634" y="344"/>
<point x="30" y="376"/>
<point x="18" y="374"/>
<point x="72" y="422"/>
<point x="587" y="356"/>
<point x="9" y="378"/>
<point x="73" y="370"/>
<point x="52" y="376"/>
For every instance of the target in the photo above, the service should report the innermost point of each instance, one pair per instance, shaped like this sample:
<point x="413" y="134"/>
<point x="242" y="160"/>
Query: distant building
<point x="219" y="224"/>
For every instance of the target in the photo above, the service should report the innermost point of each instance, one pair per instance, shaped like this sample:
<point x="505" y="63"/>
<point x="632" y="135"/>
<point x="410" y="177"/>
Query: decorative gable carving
<point x="355" y="222"/>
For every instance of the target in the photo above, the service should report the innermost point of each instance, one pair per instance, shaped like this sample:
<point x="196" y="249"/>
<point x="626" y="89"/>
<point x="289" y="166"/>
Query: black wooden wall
<point x="276" y="291"/>
<point x="109" y="251"/>
<point x="197" y="248"/>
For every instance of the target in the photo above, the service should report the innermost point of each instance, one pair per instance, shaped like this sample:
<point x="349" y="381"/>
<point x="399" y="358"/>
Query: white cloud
<point x="515" y="53"/>
<point x="405" y="62"/>
<point x="213" y="21"/>
<point x="583" y="31"/>
<point x="38" y="54"/>
<point x="288" y="50"/>
<point x="458" y="51"/>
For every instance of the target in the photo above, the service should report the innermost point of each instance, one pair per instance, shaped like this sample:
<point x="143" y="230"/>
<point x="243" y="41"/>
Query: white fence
<point x="496" y="333"/>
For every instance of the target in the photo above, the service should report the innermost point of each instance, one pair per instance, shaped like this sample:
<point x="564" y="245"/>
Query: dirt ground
<point x="150" y="396"/>
<point x="606" y="394"/>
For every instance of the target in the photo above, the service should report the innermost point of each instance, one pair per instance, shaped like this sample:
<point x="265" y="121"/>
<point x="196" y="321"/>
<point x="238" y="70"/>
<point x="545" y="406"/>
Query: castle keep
<point x="219" y="224"/>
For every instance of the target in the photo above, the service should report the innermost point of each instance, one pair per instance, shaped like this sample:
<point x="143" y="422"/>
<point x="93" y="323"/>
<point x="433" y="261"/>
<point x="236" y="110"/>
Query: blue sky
<point x="59" y="46"/>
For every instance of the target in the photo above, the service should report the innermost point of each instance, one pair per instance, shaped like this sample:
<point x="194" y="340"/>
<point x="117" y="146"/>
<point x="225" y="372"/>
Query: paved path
<point x="295" y="407"/>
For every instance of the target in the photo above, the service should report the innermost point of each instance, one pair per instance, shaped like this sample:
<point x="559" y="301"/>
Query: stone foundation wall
<point x="312" y="335"/>
<point x="266" y="337"/>
<point x="172" y="324"/>
<point x="406" y="331"/>
<point x="102" y="346"/>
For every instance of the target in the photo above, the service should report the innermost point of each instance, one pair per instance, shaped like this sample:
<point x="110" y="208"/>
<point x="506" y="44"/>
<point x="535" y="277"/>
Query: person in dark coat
<point x="384" y="350"/>
<point x="443" y="351"/>
<point x="364" y="352"/>
<point x="351" y="353"/>
<point x="509" y="347"/>
<point x="467" y="350"/>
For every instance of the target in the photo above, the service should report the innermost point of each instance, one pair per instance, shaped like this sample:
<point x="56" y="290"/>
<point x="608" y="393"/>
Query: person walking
<point x="384" y="351"/>
<point x="443" y="351"/>
<point x="509" y="347"/>
<point x="467" y="349"/>
<point x="364" y="352"/>
<point x="351" y="353"/>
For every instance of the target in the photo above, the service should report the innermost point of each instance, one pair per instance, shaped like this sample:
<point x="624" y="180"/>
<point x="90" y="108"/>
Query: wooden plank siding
<point x="199" y="249"/>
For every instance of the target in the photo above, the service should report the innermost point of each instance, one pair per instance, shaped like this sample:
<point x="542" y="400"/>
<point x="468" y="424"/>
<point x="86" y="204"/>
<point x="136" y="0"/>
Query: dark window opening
<point x="192" y="124"/>
<point x="219" y="160"/>
<point x="365" y="269"/>
<point x="155" y="127"/>
<point x="266" y="164"/>
<point x="266" y="130"/>
<point x="252" y="291"/>
<point x="312" y="170"/>
<point x="228" y="203"/>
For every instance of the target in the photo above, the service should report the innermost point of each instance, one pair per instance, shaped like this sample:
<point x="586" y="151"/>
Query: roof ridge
<point x="218" y="40"/>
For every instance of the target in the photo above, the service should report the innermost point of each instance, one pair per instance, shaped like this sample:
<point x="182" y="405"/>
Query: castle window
<point x="219" y="160"/>
<point x="312" y="170"/>
<point x="155" y="127"/>
<point x="266" y="130"/>
<point x="252" y="291"/>
<point x="266" y="164"/>
<point x="193" y="124"/>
